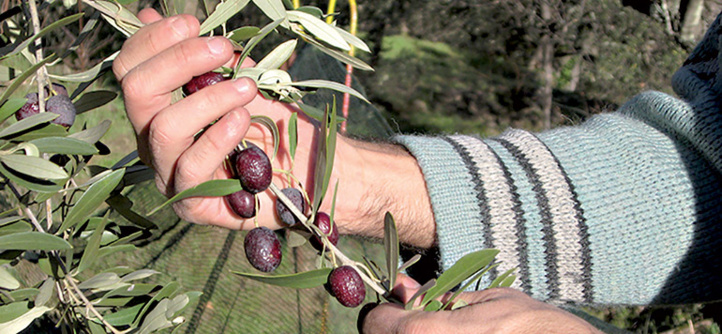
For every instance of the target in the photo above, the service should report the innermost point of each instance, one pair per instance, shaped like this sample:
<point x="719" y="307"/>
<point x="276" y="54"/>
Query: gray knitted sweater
<point x="622" y="209"/>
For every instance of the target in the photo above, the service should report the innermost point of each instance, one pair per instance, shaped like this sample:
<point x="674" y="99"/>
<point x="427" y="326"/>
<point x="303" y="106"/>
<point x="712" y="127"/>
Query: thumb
<point x="382" y="318"/>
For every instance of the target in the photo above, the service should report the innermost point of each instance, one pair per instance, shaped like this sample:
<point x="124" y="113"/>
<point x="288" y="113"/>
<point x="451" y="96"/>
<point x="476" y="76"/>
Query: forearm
<point x="375" y="178"/>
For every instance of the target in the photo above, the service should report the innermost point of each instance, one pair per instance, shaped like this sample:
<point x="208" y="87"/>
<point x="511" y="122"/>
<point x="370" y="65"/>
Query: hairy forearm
<point x="380" y="177"/>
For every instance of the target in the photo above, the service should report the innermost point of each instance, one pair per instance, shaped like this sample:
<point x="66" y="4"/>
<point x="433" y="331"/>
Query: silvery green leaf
<point x="64" y="145"/>
<point x="320" y="29"/>
<point x="40" y="186"/>
<point x="315" y="11"/>
<point x="27" y="123"/>
<point x="243" y="33"/>
<point x="156" y="318"/>
<point x="353" y="40"/>
<point x="26" y="74"/>
<point x="34" y="241"/>
<point x="11" y="49"/>
<point x="422" y="290"/>
<point x="104" y="281"/>
<point x="433" y="306"/>
<point x="274" y="9"/>
<point x="18" y="324"/>
<point x="500" y="279"/>
<point x="45" y="292"/>
<point x="7" y="280"/>
<point x="34" y="166"/>
<point x="331" y="85"/>
<point x="124" y="316"/>
<point x="271" y="126"/>
<point x="224" y="11"/>
<point x="254" y="41"/>
<point x="338" y="55"/>
<point x="302" y="280"/>
<point x="10" y="107"/>
<point x="16" y="227"/>
<point x="459" y="304"/>
<point x="92" y="199"/>
<point x="275" y="77"/>
<point x="208" y="188"/>
<point x="118" y="16"/>
<point x="410" y="262"/>
<point x="293" y="134"/>
<point x="139" y="274"/>
<point x="89" y="74"/>
<point x="92" y="100"/>
<point x="466" y="266"/>
<point x="8" y="220"/>
<point x="90" y="253"/>
<point x="92" y="135"/>
<point x="278" y="56"/>
<point x="391" y="245"/>
<point x="250" y="72"/>
<point x="176" y="305"/>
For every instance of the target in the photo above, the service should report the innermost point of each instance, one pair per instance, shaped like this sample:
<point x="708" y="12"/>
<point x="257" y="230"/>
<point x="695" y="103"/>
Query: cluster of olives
<point x="57" y="101"/>
<point x="252" y="167"/>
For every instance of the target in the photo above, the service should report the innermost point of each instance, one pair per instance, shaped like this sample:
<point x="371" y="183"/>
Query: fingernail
<point x="410" y="283"/>
<point x="242" y="85"/>
<point x="216" y="45"/>
<point x="180" y="26"/>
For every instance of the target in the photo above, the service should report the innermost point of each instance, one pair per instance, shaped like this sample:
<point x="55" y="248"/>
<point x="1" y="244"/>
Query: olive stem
<point x="336" y="252"/>
<point x="41" y="73"/>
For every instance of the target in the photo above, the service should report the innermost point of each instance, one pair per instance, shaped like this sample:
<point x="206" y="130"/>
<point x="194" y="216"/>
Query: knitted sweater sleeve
<point x="622" y="209"/>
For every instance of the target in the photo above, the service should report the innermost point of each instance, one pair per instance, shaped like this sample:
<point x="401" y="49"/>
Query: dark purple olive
<point x="263" y="249"/>
<point x="202" y="81"/>
<point x="253" y="169"/>
<point x="284" y="213"/>
<point x="323" y="222"/>
<point x="57" y="104"/>
<point x="347" y="286"/>
<point x="242" y="203"/>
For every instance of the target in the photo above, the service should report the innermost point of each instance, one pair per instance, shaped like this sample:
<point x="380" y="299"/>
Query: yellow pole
<point x="296" y="3"/>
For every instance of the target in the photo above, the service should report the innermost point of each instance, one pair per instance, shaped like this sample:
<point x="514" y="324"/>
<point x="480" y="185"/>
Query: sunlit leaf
<point x="320" y="29"/>
<point x="33" y="241"/>
<point x="92" y="135"/>
<point x="89" y="74"/>
<point x="24" y="294"/>
<point x="209" y="188"/>
<point x="41" y="131"/>
<point x="42" y="186"/>
<point x="353" y="40"/>
<point x="21" y="78"/>
<point x="94" y="99"/>
<point x="165" y="292"/>
<point x="459" y="304"/>
<point x="90" y="254"/>
<point x="433" y="306"/>
<point x="16" y="227"/>
<point x="156" y="318"/>
<point x="34" y="166"/>
<point x="330" y="85"/>
<point x="45" y="292"/>
<point x="339" y="55"/>
<point x="474" y="280"/>
<point x="312" y="10"/>
<point x="302" y="280"/>
<point x="391" y="245"/>
<point x="123" y="317"/>
<point x="224" y="11"/>
<point x="14" y="49"/>
<point x="460" y="271"/>
<point x="23" y="321"/>
<point x="10" y="107"/>
<point x="274" y="9"/>
<point x="271" y="126"/>
<point x="500" y="279"/>
<point x="64" y="145"/>
<point x="410" y="262"/>
<point x="27" y="123"/>
<point x="278" y="55"/>
<point x="7" y="280"/>
<point x="243" y="34"/>
<point x="101" y="281"/>
<point x="254" y="41"/>
<point x="92" y="199"/>
<point x="139" y="274"/>
<point x="293" y="134"/>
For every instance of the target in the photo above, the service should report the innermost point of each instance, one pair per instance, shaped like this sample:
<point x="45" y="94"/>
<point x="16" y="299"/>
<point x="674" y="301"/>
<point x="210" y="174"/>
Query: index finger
<point x="153" y="39"/>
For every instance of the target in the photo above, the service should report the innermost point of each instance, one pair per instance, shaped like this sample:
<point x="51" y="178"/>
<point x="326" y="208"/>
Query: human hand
<point x="497" y="310"/>
<point x="167" y="53"/>
<point x="161" y="57"/>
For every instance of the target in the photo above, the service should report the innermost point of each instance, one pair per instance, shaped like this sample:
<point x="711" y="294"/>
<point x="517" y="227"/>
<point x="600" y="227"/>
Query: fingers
<point x="149" y="85"/>
<point x="171" y="135"/>
<point x="149" y="15"/>
<point x="153" y="39"/>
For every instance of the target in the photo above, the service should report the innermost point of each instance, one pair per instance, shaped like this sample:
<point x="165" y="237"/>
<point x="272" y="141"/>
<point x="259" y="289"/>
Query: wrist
<point x="375" y="178"/>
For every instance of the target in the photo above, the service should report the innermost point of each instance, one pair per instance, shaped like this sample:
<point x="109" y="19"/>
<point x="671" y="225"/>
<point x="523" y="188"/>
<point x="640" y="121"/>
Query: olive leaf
<point x="319" y="28"/>
<point x="21" y="78"/>
<point x="41" y="186"/>
<point x="337" y="54"/>
<point x="9" y="50"/>
<point x="410" y="262"/>
<point x="64" y="145"/>
<point x="330" y="85"/>
<point x="459" y="272"/>
<point x="324" y="156"/>
<point x="92" y="100"/>
<point x="391" y="245"/>
<point x="34" y="166"/>
<point x="27" y="123"/>
<point x="271" y="125"/>
<point x="274" y="9"/>
<point x="90" y="74"/>
<point x="10" y="106"/>
<point x="90" y="254"/>
<point x="224" y="11"/>
<point x="92" y="199"/>
<point x="254" y="41"/>
<point x="208" y="188"/>
<point x="34" y="241"/>
<point x="293" y="134"/>
<point x="7" y="280"/>
<point x="278" y="56"/>
<point x="302" y="280"/>
<point x="243" y="34"/>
